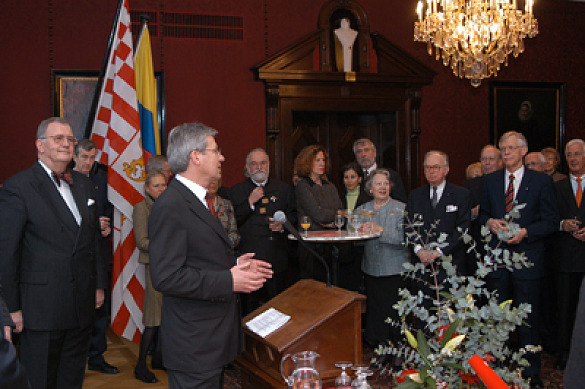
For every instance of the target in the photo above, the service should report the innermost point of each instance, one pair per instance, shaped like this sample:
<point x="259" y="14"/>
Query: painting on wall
<point x="73" y="93"/>
<point x="535" y="109"/>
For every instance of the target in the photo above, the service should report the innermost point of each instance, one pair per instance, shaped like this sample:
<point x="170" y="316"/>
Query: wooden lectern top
<point x="309" y="303"/>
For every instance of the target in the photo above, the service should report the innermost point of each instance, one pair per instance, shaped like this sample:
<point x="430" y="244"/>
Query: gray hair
<point x="575" y="141"/>
<point x="84" y="144"/>
<point x="522" y="142"/>
<point x="363" y="141"/>
<point x="42" y="129"/>
<point x="370" y="180"/>
<point x="246" y="172"/>
<point x="156" y="162"/>
<point x="441" y="153"/>
<point x="183" y="140"/>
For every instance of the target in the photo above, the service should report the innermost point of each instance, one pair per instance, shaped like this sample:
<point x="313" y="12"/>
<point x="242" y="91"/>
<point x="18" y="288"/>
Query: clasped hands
<point x="427" y="256"/>
<point x="496" y="225"/>
<point x="250" y="273"/>
<point x="573" y="226"/>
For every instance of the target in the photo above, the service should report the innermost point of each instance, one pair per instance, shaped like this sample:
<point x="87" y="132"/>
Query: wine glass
<point x="344" y="380"/>
<point x="361" y="382"/>
<point x="358" y="370"/>
<point x="305" y="224"/>
<point x="356" y="222"/>
<point x="339" y="222"/>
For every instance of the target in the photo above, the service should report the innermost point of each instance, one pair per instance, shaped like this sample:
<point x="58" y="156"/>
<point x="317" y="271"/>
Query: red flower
<point x="470" y="378"/>
<point x="442" y="331"/>
<point x="402" y="377"/>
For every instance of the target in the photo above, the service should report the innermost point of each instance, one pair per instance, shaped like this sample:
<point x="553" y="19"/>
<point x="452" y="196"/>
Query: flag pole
<point x="144" y="19"/>
<point x="96" y="95"/>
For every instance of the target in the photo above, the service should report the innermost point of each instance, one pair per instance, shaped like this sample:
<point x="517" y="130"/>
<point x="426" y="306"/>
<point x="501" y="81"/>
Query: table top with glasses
<point x="330" y="236"/>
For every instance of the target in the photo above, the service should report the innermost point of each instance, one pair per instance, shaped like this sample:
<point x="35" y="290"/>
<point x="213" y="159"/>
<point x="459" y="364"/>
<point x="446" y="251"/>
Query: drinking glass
<point x="339" y="222"/>
<point x="305" y="224"/>
<point x="344" y="380"/>
<point x="356" y="222"/>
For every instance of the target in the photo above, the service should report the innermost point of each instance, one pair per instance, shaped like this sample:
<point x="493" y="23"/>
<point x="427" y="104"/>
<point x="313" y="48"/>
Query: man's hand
<point x="8" y="333"/>
<point x="579" y="234"/>
<point x="105" y="226"/>
<point x="427" y="256"/>
<point x="17" y="319"/>
<point x="250" y="274"/>
<point x="475" y="212"/>
<point x="518" y="237"/>
<point x="256" y="195"/>
<point x="99" y="298"/>
<point x="497" y="224"/>
<point x="570" y="225"/>
<point x="274" y="226"/>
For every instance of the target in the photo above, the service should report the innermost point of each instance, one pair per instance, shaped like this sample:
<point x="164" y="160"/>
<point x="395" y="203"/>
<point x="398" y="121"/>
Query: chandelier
<point x="474" y="37"/>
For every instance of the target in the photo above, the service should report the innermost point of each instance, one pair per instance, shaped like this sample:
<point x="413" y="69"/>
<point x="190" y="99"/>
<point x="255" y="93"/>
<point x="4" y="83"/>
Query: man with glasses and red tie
<point x="51" y="266"/>
<point x="539" y="218"/>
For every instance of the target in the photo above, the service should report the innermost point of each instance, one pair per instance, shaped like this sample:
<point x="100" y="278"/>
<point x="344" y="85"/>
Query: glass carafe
<point x="305" y="374"/>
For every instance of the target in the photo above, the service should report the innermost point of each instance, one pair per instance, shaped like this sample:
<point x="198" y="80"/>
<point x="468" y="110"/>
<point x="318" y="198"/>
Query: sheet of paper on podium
<point x="267" y="322"/>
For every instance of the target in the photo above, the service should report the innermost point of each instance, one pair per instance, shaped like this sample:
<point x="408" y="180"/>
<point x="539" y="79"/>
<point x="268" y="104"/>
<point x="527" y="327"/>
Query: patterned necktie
<point x="434" y="200"/>
<point x="210" y="204"/>
<point x="579" y="194"/>
<point x="510" y="195"/>
<point x="67" y="177"/>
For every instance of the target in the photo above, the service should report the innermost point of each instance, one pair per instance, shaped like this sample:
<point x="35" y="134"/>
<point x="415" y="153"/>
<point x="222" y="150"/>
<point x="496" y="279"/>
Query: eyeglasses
<point x="433" y="167"/>
<point x="508" y="148"/>
<point x="216" y="150"/>
<point x="261" y="163"/>
<point x="575" y="154"/>
<point x="61" y="138"/>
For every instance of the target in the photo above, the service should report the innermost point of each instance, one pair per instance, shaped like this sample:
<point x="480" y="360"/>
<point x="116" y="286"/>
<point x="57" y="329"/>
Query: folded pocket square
<point x="451" y="208"/>
<point x="90" y="202"/>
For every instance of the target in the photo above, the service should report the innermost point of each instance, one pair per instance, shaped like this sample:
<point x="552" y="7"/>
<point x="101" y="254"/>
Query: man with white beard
<point x="255" y="201"/>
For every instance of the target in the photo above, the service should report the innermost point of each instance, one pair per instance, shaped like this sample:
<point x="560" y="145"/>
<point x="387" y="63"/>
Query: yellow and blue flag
<point x="146" y="95"/>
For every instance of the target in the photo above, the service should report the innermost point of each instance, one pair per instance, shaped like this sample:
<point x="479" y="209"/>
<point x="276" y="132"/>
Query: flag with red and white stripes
<point x="116" y="132"/>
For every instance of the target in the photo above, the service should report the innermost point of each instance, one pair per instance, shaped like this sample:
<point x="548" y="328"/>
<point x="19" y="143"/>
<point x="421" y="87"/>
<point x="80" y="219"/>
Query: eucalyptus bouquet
<point x="458" y="318"/>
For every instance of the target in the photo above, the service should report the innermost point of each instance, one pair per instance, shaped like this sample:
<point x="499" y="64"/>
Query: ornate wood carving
<point x="306" y="106"/>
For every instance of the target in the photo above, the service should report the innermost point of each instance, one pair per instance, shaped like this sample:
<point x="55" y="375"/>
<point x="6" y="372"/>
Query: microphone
<point x="280" y="217"/>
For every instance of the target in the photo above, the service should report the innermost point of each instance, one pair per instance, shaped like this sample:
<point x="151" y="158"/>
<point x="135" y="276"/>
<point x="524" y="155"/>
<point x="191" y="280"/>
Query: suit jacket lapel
<point x="524" y="186"/>
<point x="566" y="190"/>
<point x="82" y="206"/>
<point x="57" y="205"/>
<point x="201" y="211"/>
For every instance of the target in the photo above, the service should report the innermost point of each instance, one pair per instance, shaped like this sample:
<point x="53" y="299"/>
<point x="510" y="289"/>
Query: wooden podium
<point x="324" y="320"/>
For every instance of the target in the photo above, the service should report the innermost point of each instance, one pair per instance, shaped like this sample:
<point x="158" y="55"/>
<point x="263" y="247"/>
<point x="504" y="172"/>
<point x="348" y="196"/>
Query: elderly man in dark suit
<point x="569" y="246"/>
<point x="49" y="260"/>
<point x="538" y="219"/>
<point x="255" y="200"/>
<point x="365" y="155"/>
<point x="193" y="265"/>
<point x="440" y="200"/>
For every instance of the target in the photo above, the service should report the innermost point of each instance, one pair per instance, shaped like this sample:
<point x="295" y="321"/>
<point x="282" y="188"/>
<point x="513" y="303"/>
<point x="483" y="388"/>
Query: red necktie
<point x="67" y="177"/>
<point x="210" y="204"/>
<point x="510" y="194"/>
<point x="579" y="194"/>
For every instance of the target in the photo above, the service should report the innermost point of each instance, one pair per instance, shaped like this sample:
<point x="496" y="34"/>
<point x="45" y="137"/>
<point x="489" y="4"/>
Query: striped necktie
<point x="510" y="195"/>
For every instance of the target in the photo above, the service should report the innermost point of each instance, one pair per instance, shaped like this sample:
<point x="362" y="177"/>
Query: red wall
<point x="211" y="81"/>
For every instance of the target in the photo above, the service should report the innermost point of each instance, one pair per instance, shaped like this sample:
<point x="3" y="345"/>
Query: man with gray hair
<point x="193" y="265"/>
<point x="535" y="161"/>
<point x="569" y="249"/>
<point x="365" y="155"/>
<point x="539" y="218"/>
<point x="439" y="201"/>
<point x="255" y="200"/>
<point x="51" y="268"/>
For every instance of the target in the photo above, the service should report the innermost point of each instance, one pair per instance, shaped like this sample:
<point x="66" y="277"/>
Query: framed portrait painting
<point x="73" y="93"/>
<point x="535" y="109"/>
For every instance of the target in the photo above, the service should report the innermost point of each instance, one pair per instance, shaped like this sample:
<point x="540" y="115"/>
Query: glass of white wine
<point x="306" y="224"/>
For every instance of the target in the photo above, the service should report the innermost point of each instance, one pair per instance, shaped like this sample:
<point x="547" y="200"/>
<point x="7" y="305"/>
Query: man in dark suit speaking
<point x="52" y="270"/>
<point x="192" y="264"/>
<point x="538" y="219"/>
